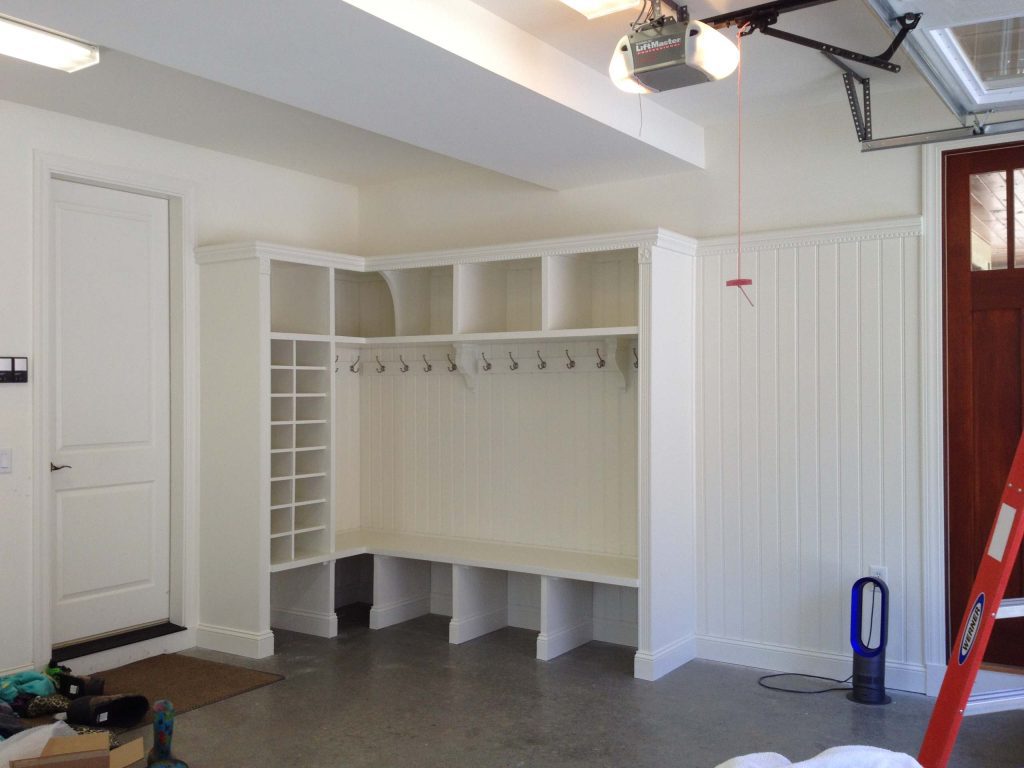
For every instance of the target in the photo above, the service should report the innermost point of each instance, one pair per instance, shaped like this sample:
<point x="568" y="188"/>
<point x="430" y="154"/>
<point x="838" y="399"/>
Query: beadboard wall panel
<point x="347" y="442"/>
<point x="809" y="433"/>
<point x="543" y="458"/>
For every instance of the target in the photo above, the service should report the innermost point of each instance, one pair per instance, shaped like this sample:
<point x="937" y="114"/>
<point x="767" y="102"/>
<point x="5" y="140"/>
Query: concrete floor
<point x="404" y="697"/>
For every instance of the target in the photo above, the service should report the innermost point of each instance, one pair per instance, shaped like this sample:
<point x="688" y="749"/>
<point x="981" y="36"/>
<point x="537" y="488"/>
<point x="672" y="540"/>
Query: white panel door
<point x="109" y="410"/>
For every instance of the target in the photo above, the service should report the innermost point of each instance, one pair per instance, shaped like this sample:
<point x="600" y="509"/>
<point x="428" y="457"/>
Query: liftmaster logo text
<point x="973" y="623"/>
<point x="654" y="46"/>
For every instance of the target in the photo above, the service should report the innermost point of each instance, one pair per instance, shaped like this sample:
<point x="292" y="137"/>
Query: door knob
<point x="54" y="467"/>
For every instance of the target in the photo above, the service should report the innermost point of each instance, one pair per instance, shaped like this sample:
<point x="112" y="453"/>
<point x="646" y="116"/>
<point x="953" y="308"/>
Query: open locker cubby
<point x="498" y="296"/>
<point x="353" y="589"/>
<point x="591" y="290"/>
<point x="566" y="613"/>
<point x="300" y="298"/>
<point x="362" y="305"/>
<point x="423" y="300"/>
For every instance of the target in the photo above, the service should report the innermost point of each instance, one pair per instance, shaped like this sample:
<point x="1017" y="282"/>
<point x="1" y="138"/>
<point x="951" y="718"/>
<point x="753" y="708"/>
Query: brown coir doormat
<point x="187" y="682"/>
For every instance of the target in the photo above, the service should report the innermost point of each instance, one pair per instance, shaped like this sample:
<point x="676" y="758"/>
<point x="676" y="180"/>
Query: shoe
<point x="117" y="711"/>
<point x="74" y="686"/>
<point x="47" y="705"/>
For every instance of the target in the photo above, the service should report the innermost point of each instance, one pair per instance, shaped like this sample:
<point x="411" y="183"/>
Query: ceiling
<point x="934" y="51"/>
<point x="366" y="92"/>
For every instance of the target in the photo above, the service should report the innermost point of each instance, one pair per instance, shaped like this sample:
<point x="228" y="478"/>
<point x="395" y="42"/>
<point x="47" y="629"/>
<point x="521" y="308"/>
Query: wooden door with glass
<point x="983" y="202"/>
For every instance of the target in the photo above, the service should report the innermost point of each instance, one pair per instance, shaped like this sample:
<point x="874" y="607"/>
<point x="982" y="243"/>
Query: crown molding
<point x="814" y="236"/>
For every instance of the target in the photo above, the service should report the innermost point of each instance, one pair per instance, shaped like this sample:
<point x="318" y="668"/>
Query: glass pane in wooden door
<point x="1018" y="217"/>
<point x="988" y="221"/>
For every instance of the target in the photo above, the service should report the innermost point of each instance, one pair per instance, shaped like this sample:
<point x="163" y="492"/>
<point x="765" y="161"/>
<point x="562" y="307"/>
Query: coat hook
<point x="572" y="363"/>
<point x="427" y="367"/>
<point x="542" y="364"/>
<point x="404" y="367"/>
<point x="452" y="367"/>
<point x="515" y="365"/>
<point x="380" y="365"/>
<point x="636" y="360"/>
<point x="487" y="365"/>
<point x="355" y="366"/>
<point x="601" y="362"/>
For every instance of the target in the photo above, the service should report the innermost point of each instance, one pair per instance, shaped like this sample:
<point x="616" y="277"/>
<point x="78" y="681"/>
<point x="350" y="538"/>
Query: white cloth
<point x="837" y="757"/>
<point x="30" y="742"/>
<point x="759" y="760"/>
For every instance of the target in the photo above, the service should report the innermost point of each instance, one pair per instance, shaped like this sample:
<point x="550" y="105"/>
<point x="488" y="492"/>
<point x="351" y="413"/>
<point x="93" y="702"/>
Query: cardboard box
<point x="91" y="750"/>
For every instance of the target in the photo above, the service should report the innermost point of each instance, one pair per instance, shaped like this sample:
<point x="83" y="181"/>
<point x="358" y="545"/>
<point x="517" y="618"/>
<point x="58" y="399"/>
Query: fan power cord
<point x="763" y="684"/>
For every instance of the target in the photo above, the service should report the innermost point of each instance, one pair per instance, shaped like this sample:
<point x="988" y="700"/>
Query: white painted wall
<point x="810" y="432"/>
<point x="536" y="458"/>
<point x="235" y="199"/>
<point x="800" y="169"/>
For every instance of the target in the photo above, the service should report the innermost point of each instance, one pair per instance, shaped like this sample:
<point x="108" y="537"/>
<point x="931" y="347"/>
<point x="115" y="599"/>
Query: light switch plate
<point x="5" y="461"/>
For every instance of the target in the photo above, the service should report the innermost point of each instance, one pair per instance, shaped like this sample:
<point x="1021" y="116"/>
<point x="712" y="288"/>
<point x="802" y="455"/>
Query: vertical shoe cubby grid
<point x="299" y="448"/>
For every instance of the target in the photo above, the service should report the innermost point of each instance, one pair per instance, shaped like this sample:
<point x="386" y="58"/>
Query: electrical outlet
<point x="5" y="461"/>
<point x="879" y="572"/>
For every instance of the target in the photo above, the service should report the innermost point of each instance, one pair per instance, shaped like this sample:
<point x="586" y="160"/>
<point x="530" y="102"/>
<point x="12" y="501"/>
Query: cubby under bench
<point x="568" y="598"/>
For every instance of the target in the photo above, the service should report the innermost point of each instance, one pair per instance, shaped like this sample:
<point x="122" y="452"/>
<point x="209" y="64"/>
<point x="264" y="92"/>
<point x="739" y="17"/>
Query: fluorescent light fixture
<point x="41" y="47"/>
<point x="594" y="9"/>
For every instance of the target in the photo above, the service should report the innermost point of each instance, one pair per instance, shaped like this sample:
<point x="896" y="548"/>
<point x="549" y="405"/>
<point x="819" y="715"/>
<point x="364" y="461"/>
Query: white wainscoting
<point x="809" y="429"/>
<point x="544" y="458"/>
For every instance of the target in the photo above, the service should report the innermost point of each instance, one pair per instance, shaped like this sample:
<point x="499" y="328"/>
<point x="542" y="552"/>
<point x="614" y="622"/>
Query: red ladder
<point x="985" y="606"/>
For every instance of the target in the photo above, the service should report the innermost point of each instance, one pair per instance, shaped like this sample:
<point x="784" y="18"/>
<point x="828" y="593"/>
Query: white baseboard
<point x="253" y="645"/>
<point x="306" y="622"/>
<point x="126" y="654"/>
<point x="995" y="701"/>
<point x="557" y="643"/>
<point x="471" y="627"/>
<point x="382" y="616"/>
<point x="650" y="665"/>
<point x="934" y="674"/>
<point x="615" y="631"/>
<point x="898" y="676"/>
<point x="16" y="670"/>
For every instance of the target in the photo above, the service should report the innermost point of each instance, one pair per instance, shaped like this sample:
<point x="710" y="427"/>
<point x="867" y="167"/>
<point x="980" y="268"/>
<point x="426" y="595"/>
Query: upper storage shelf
<point x="362" y="305"/>
<point x="557" y="289"/>
<point x="422" y="300"/>
<point x="498" y="296"/>
<point x="300" y="298"/>
<point x="593" y="290"/>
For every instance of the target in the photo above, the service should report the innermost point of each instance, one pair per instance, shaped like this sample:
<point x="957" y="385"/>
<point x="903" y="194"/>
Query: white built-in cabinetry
<point x="508" y="432"/>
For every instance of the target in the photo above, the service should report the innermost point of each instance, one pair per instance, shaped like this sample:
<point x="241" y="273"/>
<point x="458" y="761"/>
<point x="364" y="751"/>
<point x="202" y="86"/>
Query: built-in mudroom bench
<point x="502" y="435"/>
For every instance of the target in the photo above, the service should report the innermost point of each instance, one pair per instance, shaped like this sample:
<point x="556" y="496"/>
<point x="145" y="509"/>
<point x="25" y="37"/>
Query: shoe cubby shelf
<point x="300" y="382"/>
<point x="488" y="417"/>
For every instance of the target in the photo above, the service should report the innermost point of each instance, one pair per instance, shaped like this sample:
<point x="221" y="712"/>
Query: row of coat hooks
<point x="513" y="364"/>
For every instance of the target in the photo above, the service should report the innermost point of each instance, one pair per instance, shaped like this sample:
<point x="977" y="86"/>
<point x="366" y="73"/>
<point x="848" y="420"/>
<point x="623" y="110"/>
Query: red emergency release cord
<point x="739" y="282"/>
